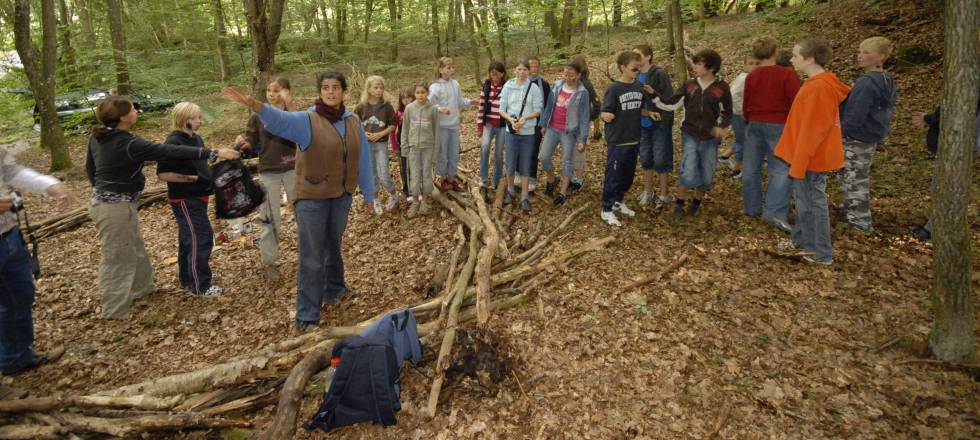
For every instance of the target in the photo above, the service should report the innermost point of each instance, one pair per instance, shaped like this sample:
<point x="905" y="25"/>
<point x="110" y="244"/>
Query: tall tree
<point x="393" y="23"/>
<point x="369" y="10"/>
<point x="680" y="58"/>
<point x="551" y="19"/>
<point x="617" y="18"/>
<point x="477" y="31"/>
<point x="41" y="75"/>
<point x="434" y="9"/>
<point x="583" y="16"/>
<point x="221" y="36"/>
<point x="500" y="19"/>
<point x="118" y="35"/>
<point x="67" y="58"/>
<point x="84" y="8"/>
<point x="340" y="15"/>
<point x="565" y="30"/>
<point x="669" y="24"/>
<point x="264" y="25"/>
<point x="951" y="338"/>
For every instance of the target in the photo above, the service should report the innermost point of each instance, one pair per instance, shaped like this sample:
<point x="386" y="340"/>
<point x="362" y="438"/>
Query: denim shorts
<point x="657" y="148"/>
<point x="520" y="150"/>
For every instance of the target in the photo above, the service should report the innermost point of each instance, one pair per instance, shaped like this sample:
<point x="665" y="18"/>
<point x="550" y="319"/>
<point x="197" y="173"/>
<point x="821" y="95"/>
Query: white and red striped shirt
<point x="492" y="94"/>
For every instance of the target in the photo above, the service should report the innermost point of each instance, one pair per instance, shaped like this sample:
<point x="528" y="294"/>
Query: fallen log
<point x="485" y="260"/>
<point x="32" y="432"/>
<point x="284" y="424"/>
<point x="651" y="278"/>
<point x="123" y="427"/>
<point x="43" y="404"/>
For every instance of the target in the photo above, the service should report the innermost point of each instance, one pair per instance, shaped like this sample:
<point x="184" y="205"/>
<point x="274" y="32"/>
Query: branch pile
<point x="488" y="271"/>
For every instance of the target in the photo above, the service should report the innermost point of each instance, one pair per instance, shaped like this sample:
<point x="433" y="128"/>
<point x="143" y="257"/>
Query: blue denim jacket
<point x="578" y="110"/>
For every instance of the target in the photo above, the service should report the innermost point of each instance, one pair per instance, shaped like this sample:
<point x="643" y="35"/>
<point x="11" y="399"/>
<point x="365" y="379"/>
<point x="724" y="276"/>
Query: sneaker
<point x="695" y="207"/>
<point x="610" y="218"/>
<point x="814" y="260"/>
<point x="661" y="202"/>
<point x="532" y="185"/>
<point x="786" y="245"/>
<point x="623" y="209"/>
<point x="921" y="233"/>
<point x="41" y="358"/>
<point x="508" y="197"/>
<point x="525" y="205"/>
<point x="413" y="209"/>
<point x="727" y="161"/>
<point x="410" y="199"/>
<point x="679" y="211"/>
<point x="392" y="202"/>
<point x="270" y="272"/>
<point x="246" y="228"/>
<point x="549" y="188"/>
<point x="303" y="327"/>
<point x="212" y="292"/>
<point x="423" y="207"/>
<point x="645" y="198"/>
<point x="378" y="209"/>
<point x="779" y="224"/>
<point x="559" y="200"/>
<point x="736" y="175"/>
<point x="575" y="185"/>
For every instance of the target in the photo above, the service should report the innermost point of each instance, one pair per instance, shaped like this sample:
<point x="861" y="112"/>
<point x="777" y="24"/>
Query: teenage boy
<point x="769" y="93"/>
<point x="656" y="136"/>
<point x="707" y="103"/>
<point x="865" y="119"/>
<point x="621" y="112"/>
<point x="534" y="74"/>
<point x="812" y="145"/>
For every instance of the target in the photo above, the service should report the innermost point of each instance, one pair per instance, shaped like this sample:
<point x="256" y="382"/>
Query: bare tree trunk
<point x="642" y="18"/>
<point x="118" y="35"/>
<point x="367" y="21"/>
<point x="341" y="16"/>
<point x="84" y="8"/>
<point x="566" y="24"/>
<point x="41" y="75"/>
<point x="680" y="62"/>
<point x="501" y="22"/>
<point x="451" y="21"/>
<point x="480" y="31"/>
<point x="617" y="18"/>
<point x="434" y="9"/>
<point x="67" y="59"/>
<point x="551" y="21"/>
<point x="951" y="338"/>
<point x="669" y="20"/>
<point x="583" y="13"/>
<point x="221" y="36"/>
<point x="393" y="21"/>
<point x="264" y="24"/>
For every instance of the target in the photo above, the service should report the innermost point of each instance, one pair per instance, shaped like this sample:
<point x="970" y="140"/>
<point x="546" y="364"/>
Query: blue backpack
<point x="365" y="387"/>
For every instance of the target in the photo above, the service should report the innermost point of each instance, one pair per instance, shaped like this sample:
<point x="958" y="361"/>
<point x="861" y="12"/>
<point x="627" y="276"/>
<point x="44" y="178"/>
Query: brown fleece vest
<point x="329" y="167"/>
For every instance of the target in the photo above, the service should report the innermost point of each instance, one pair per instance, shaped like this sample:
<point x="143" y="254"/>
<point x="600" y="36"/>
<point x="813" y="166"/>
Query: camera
<point x="18" y="203"/>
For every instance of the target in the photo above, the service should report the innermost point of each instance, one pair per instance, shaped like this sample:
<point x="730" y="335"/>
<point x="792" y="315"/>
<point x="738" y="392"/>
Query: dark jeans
<point x="404" y="173"/>
<point x="811" y="232"/>
<point x="196" y="239"/>
<point x="620" y="170"/>
<point x="16" y="300"/>
<point x="538" y="137"/>
<point x="321" y="225"/>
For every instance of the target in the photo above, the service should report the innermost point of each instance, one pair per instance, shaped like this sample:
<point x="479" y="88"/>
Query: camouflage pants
<point x="858" y="157"/>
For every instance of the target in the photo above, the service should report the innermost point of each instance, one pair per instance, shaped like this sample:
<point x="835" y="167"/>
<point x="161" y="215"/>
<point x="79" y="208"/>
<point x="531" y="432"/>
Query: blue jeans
<point x="738" y="127"/>
<point x="321" y="225"/>
<point x="382" y="173"/>
<point x="520" y="148"/>
<point x="195" y="240"/>
<point x="811" y="232"/>
<point x="569" y="142"/>
<point x="760" y="145"/>
<point x="698" y="159"/>
<point x="657" y="147"/>
<point x="16" y="300"/>
<point x="496" y="134"/>
<point x="447" y="155"/>
<point x="620" y="170"/>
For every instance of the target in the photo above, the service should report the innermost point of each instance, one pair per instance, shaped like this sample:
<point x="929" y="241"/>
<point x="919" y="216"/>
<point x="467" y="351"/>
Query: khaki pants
<point x="125" y="272"/>
<point x="270" y="213"/>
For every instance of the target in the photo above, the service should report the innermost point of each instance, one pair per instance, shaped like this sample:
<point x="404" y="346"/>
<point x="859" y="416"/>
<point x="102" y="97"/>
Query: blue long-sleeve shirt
<point x="295" y="126"/>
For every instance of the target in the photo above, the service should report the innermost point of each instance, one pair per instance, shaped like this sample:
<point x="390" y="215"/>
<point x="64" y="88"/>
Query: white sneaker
<point x="212" y="292"/>
<point x="610" y="218"/>
<point x="645" y="198"/>
<point x="378" y="209"/>
<point x="410" y="199"/>
<point x="392" y="202"/>
<point x="246" y="227"/>
<point x="532" y="184"/>
<point x="623" y="209"/>
<point x="661" y="202"/>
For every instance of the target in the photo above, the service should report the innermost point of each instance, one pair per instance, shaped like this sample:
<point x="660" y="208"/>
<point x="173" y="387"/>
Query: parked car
<point x="77" y="108"/>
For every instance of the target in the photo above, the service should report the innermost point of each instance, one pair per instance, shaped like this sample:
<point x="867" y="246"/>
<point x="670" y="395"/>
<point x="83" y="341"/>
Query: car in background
<point x="76" y="109"/>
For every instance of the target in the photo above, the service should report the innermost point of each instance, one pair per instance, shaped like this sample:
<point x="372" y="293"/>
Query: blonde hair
<point x="442" y="63"/>
<point x="183" y="112"/>
<point x="368" y="82"/>
<point x="880" y="45"/>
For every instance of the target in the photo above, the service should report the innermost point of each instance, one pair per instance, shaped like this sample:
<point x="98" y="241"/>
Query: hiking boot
<point x="378" y="209"/>
<point x="423" y="207"/>
<point x="270" y="272"/>
<point x="549" y="188"/>
<point x="921" y="233"/>
<point x="623" y="209"/>
<point x="413" y="209"/>
<point x="645" y="198"/>
<point x="695" y="207"/>
<point x="575" y="185"/>
<point x="304" y="327"/>
<point x="610" y="218"/>
<point x="559" y="200"/>
<point x="526" y="205"/>
<point x="392" y="202"/>
<point x="679" y="211"/>
<point x="44" y="357"/>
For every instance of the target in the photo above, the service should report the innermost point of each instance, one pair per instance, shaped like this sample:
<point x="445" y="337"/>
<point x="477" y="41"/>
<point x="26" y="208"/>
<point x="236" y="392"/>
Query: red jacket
<point x="769" y="93"/>
<point x="811" y="140"/>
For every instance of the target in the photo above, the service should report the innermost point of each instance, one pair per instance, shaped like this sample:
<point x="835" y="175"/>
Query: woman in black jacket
<point x="114" y="166"/>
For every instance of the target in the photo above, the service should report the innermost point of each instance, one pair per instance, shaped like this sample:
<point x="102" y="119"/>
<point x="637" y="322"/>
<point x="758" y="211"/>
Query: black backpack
<point x="235" y="193"/>
<point x="365" y="386"/>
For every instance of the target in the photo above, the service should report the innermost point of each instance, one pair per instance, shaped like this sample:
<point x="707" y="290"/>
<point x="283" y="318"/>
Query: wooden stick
<point x="726" y="414"/>
<point x="452" y="321"/>
<point x="50" y="403"/>
<point x="520" y="272"/>
<point x="485" y="261"/>
<point x="453" y="259"/>
<point x="651" y="278"/>
<point x="123" y="427"/>
<point x="470" y="220"/>
<point x="31" y="432"/>
<point x="284" y="424"/>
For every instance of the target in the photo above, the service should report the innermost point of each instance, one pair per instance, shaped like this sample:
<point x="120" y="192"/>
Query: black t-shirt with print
<point x="624" y="101"/>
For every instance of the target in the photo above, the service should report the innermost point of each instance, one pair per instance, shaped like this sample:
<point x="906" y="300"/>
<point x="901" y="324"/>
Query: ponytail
<point x="109" y="112"/>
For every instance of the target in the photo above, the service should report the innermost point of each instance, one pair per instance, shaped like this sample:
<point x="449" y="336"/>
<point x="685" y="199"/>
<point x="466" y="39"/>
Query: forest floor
<point x="735" y="342"/>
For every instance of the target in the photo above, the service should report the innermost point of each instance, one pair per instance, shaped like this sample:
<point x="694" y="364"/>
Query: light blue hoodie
<point x="511" y="98"/>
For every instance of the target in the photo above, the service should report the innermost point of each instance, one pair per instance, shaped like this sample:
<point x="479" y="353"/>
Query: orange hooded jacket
<point x="811" y="139"/>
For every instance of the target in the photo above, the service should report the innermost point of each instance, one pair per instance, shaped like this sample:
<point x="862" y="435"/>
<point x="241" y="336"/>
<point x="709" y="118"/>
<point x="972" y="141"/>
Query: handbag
<point x="507" y="125"/>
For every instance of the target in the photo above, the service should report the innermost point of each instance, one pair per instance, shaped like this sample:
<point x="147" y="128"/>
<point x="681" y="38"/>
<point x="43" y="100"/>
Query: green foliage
<point x="15" y="116"/>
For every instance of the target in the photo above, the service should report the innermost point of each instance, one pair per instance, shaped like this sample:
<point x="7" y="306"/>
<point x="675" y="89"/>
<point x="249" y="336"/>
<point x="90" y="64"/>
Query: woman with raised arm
<point x="114" y="166"/>
<point x="332" y="161"/>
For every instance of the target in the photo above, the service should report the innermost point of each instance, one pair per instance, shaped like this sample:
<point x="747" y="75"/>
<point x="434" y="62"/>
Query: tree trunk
<point x="680" y="62"/>
<point x="84" y="8"/>
<point x="480" y="29"/>
<point x="221" y="35"/>
<point x="566" y="24"/>
<point x="118" y="35"/>
<point x="434" y="9"/>
<point x="669" y="20"/>
<point x="642" y="18"/>
<point x="501" y="22"/>
<point x="264" y="24"/>
<point x="583" y="16"/>
<point x="951" y="338"/>
<point x="41" y="75"/>
<point x="451" y="18"/>
<point x="617" y="18"/>
<point x="551" y="21"/>
<point x="393" y="22"/>
<point x="67" y="61"/>
<point x="341" y="16"/>
<point x="367" y="21"/>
